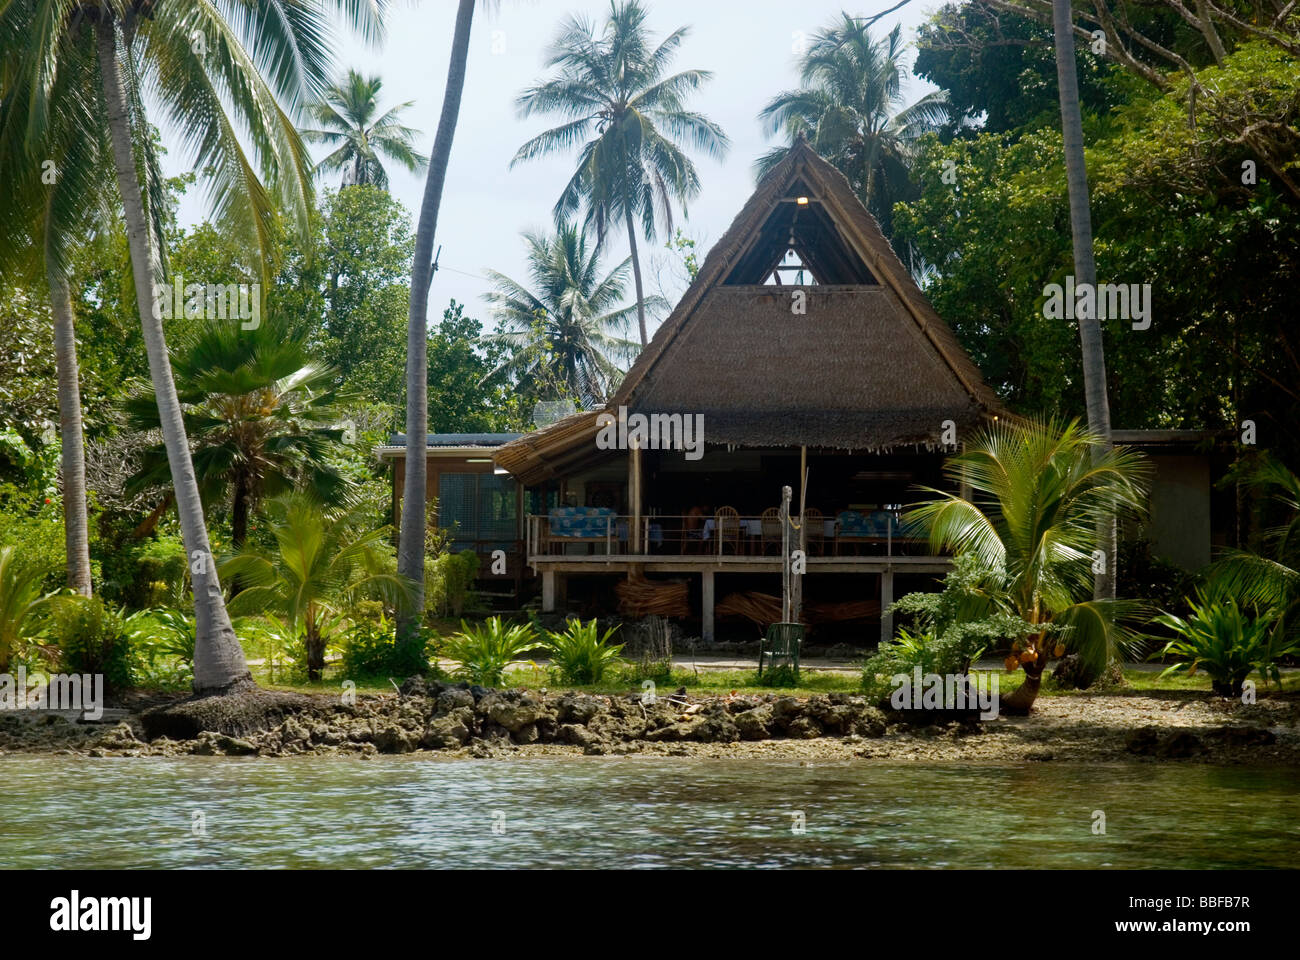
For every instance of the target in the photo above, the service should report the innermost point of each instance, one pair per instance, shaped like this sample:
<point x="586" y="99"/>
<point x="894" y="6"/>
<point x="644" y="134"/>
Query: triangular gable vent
<point x="799" y="244"/>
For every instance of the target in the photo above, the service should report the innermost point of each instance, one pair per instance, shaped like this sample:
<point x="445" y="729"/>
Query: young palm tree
<point x="213" y="71"/>
<point x="1085" y="268"/>
<point x="260" y="413"/>
<point x="560" y="334"/>
<point x="630" y="120"/>
<point x="411" y="537"/>
<point x="348" y="114"/>
<point x="1038" y="492"/>
<point x="850" y="107"/>
<point x="1270" y="580"/>
<point x="322" y="563"/>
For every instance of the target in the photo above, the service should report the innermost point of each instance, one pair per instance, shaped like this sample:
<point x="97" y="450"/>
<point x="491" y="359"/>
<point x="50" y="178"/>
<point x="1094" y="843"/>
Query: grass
<point x="705" y="683"/>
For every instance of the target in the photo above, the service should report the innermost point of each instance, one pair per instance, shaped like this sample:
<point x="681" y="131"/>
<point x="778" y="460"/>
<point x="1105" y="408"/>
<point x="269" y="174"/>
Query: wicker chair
<point x="770" y="525"/>
<point x="726" y="526"/>
<point x="814" y="531"/>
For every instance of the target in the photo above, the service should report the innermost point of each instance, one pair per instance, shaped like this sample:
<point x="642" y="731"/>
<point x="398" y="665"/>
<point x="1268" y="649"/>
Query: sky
<point x="747" y="44"/>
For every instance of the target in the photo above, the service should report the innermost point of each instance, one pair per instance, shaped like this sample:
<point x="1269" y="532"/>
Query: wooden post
<point x="706" y="605"/>
<point x="634" y="495"/>
<point x="886" y="599"/>
<point x="548" y="589"/>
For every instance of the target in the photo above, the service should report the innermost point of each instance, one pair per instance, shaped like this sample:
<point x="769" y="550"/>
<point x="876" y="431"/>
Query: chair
<point x="769" y="524"/>
<point x="693" y="531"/>
<point x="782" y="642"/>
<point x="726" y="526"/>
<point x="814" y="525"/>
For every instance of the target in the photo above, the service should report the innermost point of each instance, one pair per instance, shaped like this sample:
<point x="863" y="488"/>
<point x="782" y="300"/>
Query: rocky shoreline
<point x="459" y="721"/>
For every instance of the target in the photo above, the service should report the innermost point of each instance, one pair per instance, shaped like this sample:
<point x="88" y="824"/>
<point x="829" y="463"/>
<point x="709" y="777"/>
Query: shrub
<point x="93" y="638"/>
<point x="580" y="654"/>
<point x="371" y="649"/>
<point x="1221" y="637"/>
<point x="33" y="524"/>
<point x="146" y="573"/>
<point x="449" y="581"/>
<point x="486" y="649"/>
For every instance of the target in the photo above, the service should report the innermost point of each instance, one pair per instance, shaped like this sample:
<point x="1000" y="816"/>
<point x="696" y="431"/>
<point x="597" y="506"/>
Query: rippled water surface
<point x="637" y="812"/>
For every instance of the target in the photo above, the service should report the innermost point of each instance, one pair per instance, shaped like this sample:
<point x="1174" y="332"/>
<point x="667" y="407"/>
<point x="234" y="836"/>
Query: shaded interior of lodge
<point x="811" y="359"/>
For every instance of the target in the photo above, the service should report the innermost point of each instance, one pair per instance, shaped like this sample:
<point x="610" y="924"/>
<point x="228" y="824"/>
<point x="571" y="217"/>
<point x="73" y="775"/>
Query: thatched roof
<point x="868" y="365"/>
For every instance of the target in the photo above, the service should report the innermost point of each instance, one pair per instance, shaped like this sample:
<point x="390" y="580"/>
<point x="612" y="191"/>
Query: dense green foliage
<point x="581" y="653"/>
<point x="484" y="650"/>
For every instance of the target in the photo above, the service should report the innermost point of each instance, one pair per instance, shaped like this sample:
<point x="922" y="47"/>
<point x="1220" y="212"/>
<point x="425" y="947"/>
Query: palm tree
<point x="411" y="538"/>
<point x="613" y="93"/>
<point x="850" y="107"/>
<point x="322" y="563"/>
<point x="560" y="333"/>
<point x="260" y="413"/>
<point x="348" y="114"/>
<point x="49" y="209"/>
<point x="1270" y="580"/>
<point x="1085" y="268"/>
<point x="214" y="72"/>
<point x="1038" y="491"/>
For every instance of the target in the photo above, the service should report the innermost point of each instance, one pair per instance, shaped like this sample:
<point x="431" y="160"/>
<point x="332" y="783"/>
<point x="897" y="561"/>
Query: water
<point x="638" y="812"/>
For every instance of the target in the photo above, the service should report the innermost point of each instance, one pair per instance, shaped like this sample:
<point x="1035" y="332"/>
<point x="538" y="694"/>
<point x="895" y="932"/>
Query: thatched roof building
<point x="857" y="360"/>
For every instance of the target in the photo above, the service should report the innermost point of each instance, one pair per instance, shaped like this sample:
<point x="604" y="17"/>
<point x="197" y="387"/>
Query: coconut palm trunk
<point x="636" y="275"/>
<point x="1085" y="268"/>
<point x="219" y="663"/>
<point x="410" y="556"/>
<point x="76" y="531"/>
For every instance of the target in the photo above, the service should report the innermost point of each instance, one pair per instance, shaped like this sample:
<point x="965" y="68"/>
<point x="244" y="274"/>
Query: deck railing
<point x="608" y="534"/>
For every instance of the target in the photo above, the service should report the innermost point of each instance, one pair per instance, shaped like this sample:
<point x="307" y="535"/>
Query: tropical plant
<point x="451" y="577"/>
<point x="410" y="545"/>
<point x="1225" y="639"/>
<point x="1269" y="580"/>
<point x="93" y="638"/>
<point x="1037" y="492"/>
<point x="630" y="120"/>
<point x="321" y="562"/>
<point x="348" y="115"/>
<point x="371" y="649"/>
<point x="262" y="416"/>
<point x="484" y="650"/>
<point x="162" y="647"/>
<point x="560" y="335"/>
<point x="21" y="601"/>
<point x="849" y="105"/>
<point x="953" y="628"/>
<point x="220" y="75"/>
<point x="581" y="654"/>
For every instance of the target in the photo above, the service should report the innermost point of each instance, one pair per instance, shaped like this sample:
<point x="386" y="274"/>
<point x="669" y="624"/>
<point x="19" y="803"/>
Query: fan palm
<point x="1038" y="489"/>
<point x="216" y="70"/>
<point x="560" y="333"/>
<point x="850" y="107"/>
<point x="348" y="114"/>
<point x="260" y="413"/>
<point x="322" y="563"/>
<point x="611" y="88"/>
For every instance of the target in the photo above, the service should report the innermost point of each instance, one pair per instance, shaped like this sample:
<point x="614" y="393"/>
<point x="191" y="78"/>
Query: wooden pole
<point x="634" y="492"/>
<point x="786" y="494"/>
